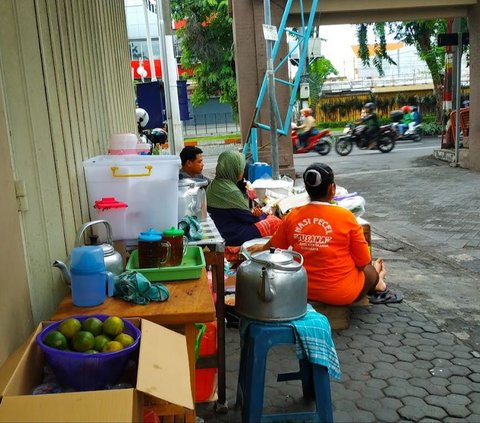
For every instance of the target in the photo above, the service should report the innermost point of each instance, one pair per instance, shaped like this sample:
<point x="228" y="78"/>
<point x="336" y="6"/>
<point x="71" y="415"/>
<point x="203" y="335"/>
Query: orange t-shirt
<point x="333" y="246"/>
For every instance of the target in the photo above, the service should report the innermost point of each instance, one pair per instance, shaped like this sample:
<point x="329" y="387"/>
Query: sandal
<point x="386" y="297"/>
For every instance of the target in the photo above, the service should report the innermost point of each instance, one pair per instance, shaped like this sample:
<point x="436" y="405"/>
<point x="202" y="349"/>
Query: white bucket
<point x="123" y="144"/>
<point x="148" y="184"/>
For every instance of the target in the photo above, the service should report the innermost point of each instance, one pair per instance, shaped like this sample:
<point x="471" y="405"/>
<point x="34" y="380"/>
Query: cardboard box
<point x="163" y="374"/>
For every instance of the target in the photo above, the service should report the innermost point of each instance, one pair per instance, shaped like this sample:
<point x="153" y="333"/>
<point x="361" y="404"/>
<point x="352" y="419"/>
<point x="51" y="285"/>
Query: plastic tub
<point x="113" y="211"/>
<point x="123" y="144"/>
<point x="148" y="184"/>
<point x="88" y="372"/>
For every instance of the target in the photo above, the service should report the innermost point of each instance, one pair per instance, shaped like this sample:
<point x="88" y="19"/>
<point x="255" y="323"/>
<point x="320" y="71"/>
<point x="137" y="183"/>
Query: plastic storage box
<point x="148" y="184"/>
<point x="259" y="170"/>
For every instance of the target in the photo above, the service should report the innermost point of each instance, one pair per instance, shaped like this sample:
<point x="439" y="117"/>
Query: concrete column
<point x="250" y="63"/>
<point x="474" y="134"/>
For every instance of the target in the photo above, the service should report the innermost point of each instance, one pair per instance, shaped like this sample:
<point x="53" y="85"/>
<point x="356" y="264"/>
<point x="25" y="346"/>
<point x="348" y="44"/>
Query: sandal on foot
<point x="386" y="297"/>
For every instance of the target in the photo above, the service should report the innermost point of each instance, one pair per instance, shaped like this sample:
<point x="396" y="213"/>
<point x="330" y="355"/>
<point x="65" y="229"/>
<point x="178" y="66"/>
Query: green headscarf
<point x="223" y="193"/>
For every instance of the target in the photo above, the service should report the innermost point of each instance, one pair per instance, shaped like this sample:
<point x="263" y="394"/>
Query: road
<point x="362" y="162"/>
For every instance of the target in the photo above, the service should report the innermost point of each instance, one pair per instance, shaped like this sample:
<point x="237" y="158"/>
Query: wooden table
<point x="190" y="302"/>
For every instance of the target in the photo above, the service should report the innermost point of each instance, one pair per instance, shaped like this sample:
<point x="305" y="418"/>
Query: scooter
<point x="154" y="138"/>
<point x="355" y="135"/>
<point x="318" y="141"/>
<point x="413" y="133"/>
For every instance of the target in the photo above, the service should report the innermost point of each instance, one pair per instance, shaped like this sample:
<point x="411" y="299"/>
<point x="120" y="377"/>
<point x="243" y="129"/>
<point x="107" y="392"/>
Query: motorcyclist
<point x="416" y="118"/>
<point x="405" y="121"/>
<point x="305" y="129"/>
<point x="373" y="124"/>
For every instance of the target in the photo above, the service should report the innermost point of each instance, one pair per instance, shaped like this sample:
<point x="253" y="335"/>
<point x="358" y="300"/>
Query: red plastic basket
<point x="88" y="372"/>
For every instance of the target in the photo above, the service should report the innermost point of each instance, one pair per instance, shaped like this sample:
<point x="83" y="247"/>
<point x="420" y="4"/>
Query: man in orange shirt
<point x="336" y="255"/>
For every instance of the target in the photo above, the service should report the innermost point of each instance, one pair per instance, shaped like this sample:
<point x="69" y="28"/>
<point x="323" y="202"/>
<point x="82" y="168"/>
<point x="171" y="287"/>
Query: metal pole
<point x="165" y="75"/>
<point x="458" y="96"/>
<point x="271" y="95"/>
<point x="149" y="43"/>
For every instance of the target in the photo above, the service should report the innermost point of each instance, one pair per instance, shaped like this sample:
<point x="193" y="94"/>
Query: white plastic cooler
<point x="148" y="184"/>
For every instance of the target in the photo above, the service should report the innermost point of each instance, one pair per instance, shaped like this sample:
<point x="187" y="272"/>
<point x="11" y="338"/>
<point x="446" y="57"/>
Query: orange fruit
<point x="113" y="346"/>
<point x="101" y="341"/>
<point x="70" y="327"/>
<point x="113" y="326"/>
<point x="55" y="339"/>
<point x="93" y="325"/>
<point x="124" y="339"/>
<point x="83" y="341"/>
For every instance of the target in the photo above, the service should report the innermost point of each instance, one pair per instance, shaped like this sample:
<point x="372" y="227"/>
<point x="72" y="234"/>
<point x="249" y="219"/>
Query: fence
<point x="210" y="124"/>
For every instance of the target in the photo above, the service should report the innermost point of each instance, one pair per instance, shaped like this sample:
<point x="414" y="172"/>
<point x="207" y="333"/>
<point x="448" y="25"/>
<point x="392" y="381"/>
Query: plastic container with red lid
<point x="115" y="213"/>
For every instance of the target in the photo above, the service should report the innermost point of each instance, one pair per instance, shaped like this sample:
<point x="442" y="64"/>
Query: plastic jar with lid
<point x="153" y="252"/>
<point x="178" y="244"/>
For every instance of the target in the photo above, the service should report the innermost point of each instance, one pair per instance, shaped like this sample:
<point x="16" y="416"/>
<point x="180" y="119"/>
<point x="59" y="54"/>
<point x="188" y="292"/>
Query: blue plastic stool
<point x="256" y="342"/>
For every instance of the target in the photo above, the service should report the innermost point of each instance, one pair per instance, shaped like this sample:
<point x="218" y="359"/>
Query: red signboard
<point x="134" y="64"/>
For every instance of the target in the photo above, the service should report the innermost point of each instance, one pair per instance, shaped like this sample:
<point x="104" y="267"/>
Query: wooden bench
<point x="338" y="316"/>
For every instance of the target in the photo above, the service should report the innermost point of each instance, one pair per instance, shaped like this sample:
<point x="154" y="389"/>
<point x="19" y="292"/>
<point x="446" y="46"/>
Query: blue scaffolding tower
<point x="301" y="43"/>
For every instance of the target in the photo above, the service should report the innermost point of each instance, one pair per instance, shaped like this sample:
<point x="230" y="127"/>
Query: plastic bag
<point x="354" y="203"/>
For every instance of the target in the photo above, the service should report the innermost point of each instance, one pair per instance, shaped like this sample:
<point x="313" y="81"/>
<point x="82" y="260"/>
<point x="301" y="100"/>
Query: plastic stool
<point x="251" y="377"/>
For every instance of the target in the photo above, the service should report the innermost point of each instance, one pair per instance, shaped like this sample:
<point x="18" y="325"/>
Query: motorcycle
<point x="385" y="140"/>
<point x="414" y="132"/>
<point x="318" y="141"/>
<point x="154" y="138"/>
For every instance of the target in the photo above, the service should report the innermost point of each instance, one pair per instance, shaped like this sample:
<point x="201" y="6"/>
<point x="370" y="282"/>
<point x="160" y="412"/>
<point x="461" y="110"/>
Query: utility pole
<point x="169" y="78"/>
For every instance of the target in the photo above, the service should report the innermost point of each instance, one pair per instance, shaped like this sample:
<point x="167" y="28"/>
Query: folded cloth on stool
<point x="134" y="287"/>
<point x="313" y="339"/>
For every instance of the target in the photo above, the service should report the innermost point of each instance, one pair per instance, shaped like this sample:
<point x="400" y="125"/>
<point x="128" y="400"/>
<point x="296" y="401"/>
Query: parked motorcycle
<point x="355" y="135"/>
<point x="318" y="141"/>
<point x="153" y="137"/>
<point x="413" y="133"/>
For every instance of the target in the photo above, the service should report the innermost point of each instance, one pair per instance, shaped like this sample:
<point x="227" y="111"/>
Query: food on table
<point x="113" y="326"/>
<point x="124" y="339"/>
<point x="91" y="336"/>
<point x="56" y="339"/>
<point x="83" y="341"/>
<point x="70" y="327"/>
<point x="93" y="325"/>
<point x="113" y="346"/>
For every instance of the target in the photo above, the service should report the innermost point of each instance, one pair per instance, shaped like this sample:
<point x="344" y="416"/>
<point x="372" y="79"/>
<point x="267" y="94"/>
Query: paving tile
<point x="416" y="409"/>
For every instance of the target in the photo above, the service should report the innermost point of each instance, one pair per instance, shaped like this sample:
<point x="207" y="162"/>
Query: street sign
<point x="270" y="32"/>
<point x="452" y="39"/>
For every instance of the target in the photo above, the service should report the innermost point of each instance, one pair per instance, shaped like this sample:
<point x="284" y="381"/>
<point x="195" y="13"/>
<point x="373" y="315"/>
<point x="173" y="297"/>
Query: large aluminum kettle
<point x="271" y="286"/>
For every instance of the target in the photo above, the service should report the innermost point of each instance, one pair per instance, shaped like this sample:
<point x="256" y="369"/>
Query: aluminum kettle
<point x="113" y="259"/>
<point x="271" y="286"/>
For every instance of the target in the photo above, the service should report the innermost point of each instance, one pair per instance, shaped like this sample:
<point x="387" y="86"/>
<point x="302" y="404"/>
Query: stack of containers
<point x="148" y="184"/>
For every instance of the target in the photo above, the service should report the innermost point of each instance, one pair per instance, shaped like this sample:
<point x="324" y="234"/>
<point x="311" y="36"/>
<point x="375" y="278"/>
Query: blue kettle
<point x="90" y="281"/>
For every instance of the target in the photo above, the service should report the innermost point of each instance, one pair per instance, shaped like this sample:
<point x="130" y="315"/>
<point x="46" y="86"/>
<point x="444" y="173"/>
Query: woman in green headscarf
<point x="228" y="207"/>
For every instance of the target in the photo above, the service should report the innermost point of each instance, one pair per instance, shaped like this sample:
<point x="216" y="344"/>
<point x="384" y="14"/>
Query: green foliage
<point x="206" y="41"/>
<point x="318" y="71"/>
<point x="421" y="34"/>
<point x="431" y="128"/>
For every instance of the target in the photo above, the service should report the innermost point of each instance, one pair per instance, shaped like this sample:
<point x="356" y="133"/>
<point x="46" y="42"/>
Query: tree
<point x="206" y="42"/>
<point x="421" y="34"/>
<point x="318" y="71"/>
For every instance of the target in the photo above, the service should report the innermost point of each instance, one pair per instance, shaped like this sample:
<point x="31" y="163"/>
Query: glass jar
<point x="178" y="245"/>
<point x="153" y="252"/>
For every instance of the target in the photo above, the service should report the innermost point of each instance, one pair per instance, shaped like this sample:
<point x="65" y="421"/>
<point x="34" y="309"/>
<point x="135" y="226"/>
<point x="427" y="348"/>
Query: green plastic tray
<point x="191" y="267"/>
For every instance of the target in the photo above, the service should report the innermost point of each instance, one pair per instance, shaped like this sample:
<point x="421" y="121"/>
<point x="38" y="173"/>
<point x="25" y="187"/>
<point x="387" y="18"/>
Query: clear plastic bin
<point x="148" y="184"/>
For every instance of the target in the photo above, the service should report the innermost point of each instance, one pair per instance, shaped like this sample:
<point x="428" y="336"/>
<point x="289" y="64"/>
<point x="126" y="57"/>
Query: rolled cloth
<point x="223" y="192"/>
